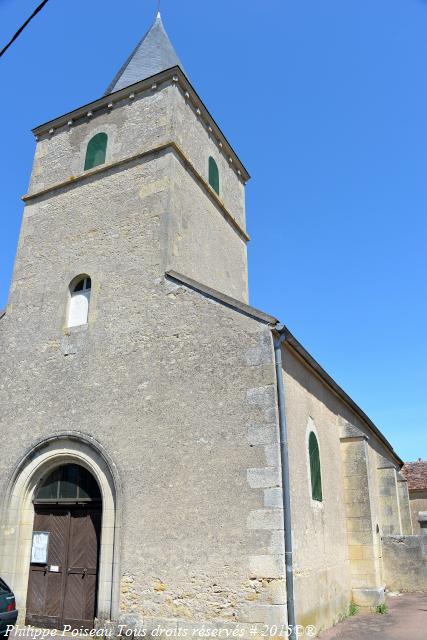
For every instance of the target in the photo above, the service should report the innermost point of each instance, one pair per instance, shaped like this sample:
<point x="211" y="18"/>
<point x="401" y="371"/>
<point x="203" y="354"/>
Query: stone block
<point x="263" y="397"/>
<point x="359" y="581"/>
<point x="404" y="562"/>
<point x="262" y="353"/>
<point x="358" y="509"/>
<point x="356" y="482"/>
<point x="368" y="597"/>
<point x="277" y="543"/>
<point x="265" y="519"/>
<point x="362" y="566"/>
<point x="355" y="552"/>
<point x="264" y="477"/>
<point x="266" y="566"/>
<point x="268" y="614"/>
<point x="272" y="455"/>
<point x="128" y="621"/>
<point x="273" y="497"/>
<point x="359" y="524"/>
<point x="276" y="591"/>
<point x="360" y="537"/>
<point x="262" y="435"/>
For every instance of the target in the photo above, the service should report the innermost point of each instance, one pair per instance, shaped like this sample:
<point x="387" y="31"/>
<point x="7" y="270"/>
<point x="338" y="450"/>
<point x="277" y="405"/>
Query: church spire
<point x="153" y="54"/>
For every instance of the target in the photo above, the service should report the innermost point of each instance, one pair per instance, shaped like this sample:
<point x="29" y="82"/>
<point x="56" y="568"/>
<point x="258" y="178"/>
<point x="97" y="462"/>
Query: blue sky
<point x="325" y="102"/>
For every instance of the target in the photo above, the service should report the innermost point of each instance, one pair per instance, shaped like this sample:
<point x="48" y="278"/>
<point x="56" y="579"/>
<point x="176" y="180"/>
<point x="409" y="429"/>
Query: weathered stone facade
<point x="157" y="364"/>
<point x="405" y="563"/>
<point x="168" y="393"/>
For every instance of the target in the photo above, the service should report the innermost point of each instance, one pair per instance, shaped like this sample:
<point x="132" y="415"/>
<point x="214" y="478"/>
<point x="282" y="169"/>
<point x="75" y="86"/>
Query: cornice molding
<point x="106" y="103"/>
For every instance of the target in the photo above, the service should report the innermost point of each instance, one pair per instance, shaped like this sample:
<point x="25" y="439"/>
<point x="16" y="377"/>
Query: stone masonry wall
<point x="389" y="501"/>
<point x="183" y="399"/>
<point x="152" y="118"/>
<point x="404" y="505"/>
<point x="188" y="129"/>
<point x="375" y="508"/>
<point x="362" y="534"/>
<point x="321" y="565"/>
<point x="405" y="565"/>
<point x="132" y="126"/>
<point x="178" y="389"/>
<point x="201" y="243"/>
<point x="197" y="239"/>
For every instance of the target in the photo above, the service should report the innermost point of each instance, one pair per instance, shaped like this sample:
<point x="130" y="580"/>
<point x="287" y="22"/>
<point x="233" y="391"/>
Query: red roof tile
<point x="416" y="475"/>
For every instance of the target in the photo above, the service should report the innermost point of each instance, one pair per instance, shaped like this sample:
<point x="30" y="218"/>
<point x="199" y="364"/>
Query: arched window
<point x="96" y="150"/>
<point x="213" y="175"/>
<point x="70" y="482"/>
<point x="315" y="473"/>
<point x="78" y="309"/>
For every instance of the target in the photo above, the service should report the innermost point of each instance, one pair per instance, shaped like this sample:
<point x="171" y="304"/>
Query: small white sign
<point x="39" y="549"/>
<point x="54" y="568"/>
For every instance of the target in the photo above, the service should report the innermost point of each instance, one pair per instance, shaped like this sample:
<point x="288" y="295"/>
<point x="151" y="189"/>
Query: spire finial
<point x="153" y="54"/>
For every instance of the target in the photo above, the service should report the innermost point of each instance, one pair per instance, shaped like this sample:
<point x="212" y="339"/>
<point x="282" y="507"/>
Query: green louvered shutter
<point x="316" y="477"/>
<point x="96" y="150"/>
<point x="213" y="175"/>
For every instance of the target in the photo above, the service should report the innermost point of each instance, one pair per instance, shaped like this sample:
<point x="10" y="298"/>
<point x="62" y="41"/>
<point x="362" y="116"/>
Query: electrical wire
<point x="21" y="29"/>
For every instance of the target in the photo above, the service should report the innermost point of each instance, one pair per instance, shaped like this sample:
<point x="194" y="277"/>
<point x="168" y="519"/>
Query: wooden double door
<point x="63" y="590"/>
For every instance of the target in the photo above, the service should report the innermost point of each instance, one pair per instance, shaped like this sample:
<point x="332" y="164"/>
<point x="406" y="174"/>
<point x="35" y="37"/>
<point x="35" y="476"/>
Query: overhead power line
<point x="21" y="29"/>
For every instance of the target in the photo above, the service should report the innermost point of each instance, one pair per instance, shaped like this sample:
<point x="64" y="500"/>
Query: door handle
<point x="83" y="571"/>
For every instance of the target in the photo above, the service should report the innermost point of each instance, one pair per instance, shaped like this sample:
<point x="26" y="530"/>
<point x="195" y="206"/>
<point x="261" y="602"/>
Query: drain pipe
<point x="286" y="497"/>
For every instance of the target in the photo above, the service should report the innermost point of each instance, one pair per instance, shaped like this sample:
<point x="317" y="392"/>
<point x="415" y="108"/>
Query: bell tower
<point x="144" y="378"/>
<point x="142" y="176"/>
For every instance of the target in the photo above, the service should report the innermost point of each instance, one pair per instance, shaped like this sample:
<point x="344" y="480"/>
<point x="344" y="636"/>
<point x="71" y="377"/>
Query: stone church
<point x="170" y="454"/>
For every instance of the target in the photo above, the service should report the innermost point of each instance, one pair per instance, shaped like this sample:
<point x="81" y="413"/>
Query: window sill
<point x="81" y="328"/>
<point x="74" y="340"/>
<point x="317" y="505"/>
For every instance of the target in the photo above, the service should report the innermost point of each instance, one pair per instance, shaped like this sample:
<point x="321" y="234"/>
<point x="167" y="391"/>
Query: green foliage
<point x="353" y="609"/>
<point x="381" y="608"/>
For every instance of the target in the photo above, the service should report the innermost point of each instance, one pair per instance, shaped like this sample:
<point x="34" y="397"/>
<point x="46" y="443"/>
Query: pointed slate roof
<point x="152" y="55"/>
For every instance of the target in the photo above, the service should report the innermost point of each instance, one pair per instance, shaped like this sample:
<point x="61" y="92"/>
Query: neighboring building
<point x="142" y="409"/>
<point x="416" y="475"/>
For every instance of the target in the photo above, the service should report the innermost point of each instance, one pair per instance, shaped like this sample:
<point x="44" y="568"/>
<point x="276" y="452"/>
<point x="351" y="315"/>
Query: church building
<point x="170" y="454"/>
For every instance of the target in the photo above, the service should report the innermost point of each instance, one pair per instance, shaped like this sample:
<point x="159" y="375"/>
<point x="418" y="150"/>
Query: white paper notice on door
<point x="39" y="550"/>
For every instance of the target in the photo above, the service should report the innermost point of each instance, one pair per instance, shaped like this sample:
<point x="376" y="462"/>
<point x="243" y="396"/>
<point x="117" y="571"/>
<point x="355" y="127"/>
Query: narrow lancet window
<point x="78" y="310"/>
<point x="96" y="151"/>
<point x="213" y="175"/>
<point x="315" y="472"/>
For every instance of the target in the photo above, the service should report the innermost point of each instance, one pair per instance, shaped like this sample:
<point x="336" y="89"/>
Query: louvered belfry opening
<point x="63" y="577"/>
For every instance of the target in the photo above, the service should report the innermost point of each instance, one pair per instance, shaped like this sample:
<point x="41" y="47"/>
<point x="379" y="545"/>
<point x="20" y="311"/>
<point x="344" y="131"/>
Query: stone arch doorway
<point x="17" y="516"/>
<point x="63" y="575"/>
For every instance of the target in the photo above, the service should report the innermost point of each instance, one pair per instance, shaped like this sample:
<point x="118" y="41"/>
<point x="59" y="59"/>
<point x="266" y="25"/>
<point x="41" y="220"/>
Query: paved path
<point x="406" y="620"/>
